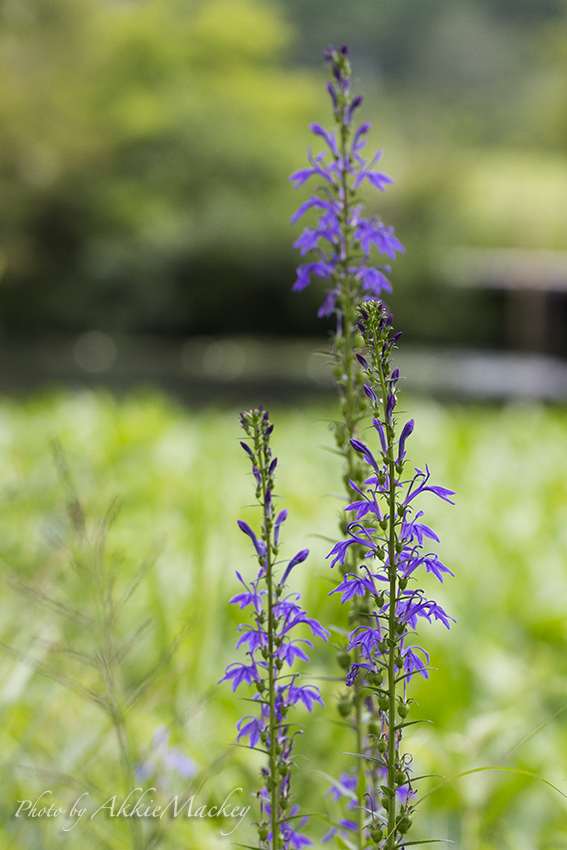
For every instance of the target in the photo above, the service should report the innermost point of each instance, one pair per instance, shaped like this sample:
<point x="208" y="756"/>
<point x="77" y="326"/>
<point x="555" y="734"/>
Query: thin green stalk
<point x="351" y="418"/>
<point x="104" y="608"/>
<point x="392" y="634"/>
<point x="273" y="758"/>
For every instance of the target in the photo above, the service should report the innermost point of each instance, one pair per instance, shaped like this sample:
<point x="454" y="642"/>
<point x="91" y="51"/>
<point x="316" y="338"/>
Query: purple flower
<point x="241" y="673"/>
<point x="407" y="430"/>
<point x="342" y="164"/>
<point x="281" y="517"/>
<point x="297" y="559"/>
<point x="307" y="694"/>
<point x="353" y="585"/>
<point x="304" y="272"/>
<point x="271" y="642"/>
<point x="259" y="546"/>
<point x="163" y="758"/>
<point x="385" y="609"/>
<point x="250" y="726"/>
<point x="420" y="480"/>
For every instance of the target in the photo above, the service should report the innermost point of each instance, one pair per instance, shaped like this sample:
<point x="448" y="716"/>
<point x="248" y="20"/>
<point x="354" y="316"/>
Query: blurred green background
<point x="145" y="151"/>
<point x="146" y="146"/>
<point x="498" y="674"/>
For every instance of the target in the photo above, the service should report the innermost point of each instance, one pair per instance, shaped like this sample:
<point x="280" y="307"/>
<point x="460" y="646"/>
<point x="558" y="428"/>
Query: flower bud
<point x="344" y="706"/>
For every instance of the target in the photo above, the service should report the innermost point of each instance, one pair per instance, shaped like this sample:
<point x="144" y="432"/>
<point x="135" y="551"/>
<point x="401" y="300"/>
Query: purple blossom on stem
<point x="273" y="641"/>
<point x="395" y="544"/>
<point x="343" y="239"/>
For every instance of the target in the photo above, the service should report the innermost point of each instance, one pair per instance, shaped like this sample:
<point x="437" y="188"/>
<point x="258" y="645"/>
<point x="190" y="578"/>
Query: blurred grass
<point x="500" y="672"/>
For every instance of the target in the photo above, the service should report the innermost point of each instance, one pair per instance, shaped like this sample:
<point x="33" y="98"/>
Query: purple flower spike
<point x="272" y="641"/>
<point x="342" y="164"/>
<point x="387" y="604"/>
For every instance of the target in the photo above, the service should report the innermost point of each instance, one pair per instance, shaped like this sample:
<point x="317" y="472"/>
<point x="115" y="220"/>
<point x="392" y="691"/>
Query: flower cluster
<point x="348" y="249"/>
<point x="343" y="239"/>
<point x="393" y="542"/>
<point x="271" y="646"/>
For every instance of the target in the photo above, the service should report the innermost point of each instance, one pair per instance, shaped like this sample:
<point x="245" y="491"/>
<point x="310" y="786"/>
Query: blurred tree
<point x="143" y="173"/>
<point x="146" y="146"/>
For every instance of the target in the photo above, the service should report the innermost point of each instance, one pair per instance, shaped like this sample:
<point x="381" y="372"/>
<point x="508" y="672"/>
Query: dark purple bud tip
<point x="247" y="449"/>
<point x="361" y="360"/>
<point x="361" y="327"/>
<point x="329" y="53"/>
<point x="301" y="556"/>
<point x="332" y="92"/>
<point x="396" y="336"/>
<point x="370" y="393"/>
<point x="351" y="109"/>
<point x="390" y="404"/>
<point x="344" y="50"/>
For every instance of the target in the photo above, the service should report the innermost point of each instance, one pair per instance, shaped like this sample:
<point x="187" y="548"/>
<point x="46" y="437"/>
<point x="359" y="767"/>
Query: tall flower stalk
<point x="270" y="647"/>
<point x="343" y="242"/>
<point x="393" y="539"/>
<point x="350" y="251"/>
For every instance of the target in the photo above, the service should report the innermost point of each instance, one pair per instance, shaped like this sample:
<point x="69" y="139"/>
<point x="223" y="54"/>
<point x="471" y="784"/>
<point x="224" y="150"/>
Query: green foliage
<point x="146" y="149"/>
<point x="498" y="675"/>
<point x="146" y="143"/>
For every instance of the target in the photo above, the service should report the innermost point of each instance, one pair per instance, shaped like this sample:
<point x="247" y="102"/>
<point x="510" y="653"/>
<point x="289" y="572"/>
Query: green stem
<point x="116" y="712"/>
<point x="392" y="622"/>
<point x="272" y="700"/>
<point x="348" y="305"/>
<point x="273" y="755"/>
<point x="361" y="784"/>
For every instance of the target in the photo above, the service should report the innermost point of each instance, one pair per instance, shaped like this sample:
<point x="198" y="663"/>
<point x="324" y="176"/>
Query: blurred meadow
<point x="499" y="674"/>
<point x="144" y="215"/>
